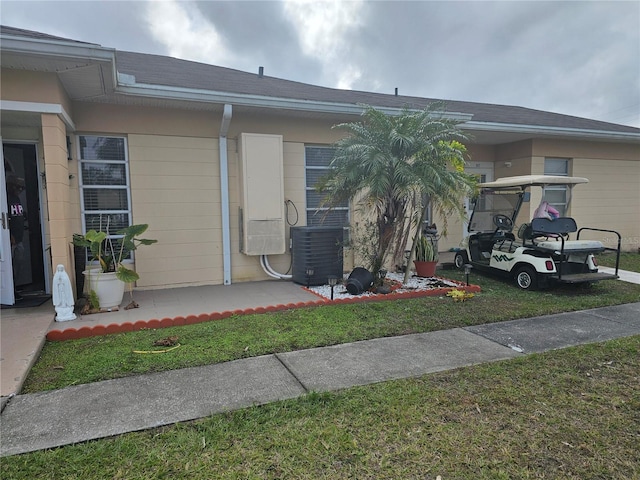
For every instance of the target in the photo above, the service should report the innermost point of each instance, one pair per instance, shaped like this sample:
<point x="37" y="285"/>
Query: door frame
<point x="7" y="295"/>
<point x="42" y="206"/>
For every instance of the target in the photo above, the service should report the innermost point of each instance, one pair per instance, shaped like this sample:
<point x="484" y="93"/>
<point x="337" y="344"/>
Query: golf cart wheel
<point x="526" y="278"/>
<point x="460" y="259"/>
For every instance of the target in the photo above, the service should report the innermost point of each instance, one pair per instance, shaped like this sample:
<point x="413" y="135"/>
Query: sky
<point x="571" y="57"/>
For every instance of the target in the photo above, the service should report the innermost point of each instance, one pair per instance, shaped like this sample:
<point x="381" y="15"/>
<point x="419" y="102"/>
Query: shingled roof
<point x="148" y="69"/>
<point x="21" y="32"/>
<point x="173" y="72"/>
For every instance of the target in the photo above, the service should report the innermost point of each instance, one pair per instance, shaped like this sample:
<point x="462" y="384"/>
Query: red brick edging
<point x="97" y="330"/>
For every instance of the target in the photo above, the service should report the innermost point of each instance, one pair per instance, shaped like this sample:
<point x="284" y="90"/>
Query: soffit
<point x="81" y="78"/>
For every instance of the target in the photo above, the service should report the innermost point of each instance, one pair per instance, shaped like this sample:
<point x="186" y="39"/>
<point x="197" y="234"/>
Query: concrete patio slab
<point x="22" y="335"/>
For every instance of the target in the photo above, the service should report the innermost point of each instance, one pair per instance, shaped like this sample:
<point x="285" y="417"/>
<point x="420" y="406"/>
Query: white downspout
<point x="224" y="194"/>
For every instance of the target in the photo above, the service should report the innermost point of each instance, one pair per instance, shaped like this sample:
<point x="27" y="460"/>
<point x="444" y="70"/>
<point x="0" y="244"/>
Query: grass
<point x="628" y="261"/>
<point x="570" y="414"/>
<point x="99" y="358"/>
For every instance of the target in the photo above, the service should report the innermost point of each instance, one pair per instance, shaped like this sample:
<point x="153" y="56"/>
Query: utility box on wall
<point x="261" y="194"/>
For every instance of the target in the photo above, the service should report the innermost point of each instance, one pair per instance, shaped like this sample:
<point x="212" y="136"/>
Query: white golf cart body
<point x="542" y="253"/>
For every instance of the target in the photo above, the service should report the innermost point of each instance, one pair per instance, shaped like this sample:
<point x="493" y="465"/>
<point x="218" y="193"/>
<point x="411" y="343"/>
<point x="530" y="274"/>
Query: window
<point x="557" y="196"/>
<point x="317" y="160"/>
<point x="104" y="183"/>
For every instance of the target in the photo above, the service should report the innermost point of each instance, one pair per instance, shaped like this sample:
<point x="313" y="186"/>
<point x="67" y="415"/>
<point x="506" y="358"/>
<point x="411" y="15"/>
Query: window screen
<point x="104" y="183"/>
<point x="317" y="160"/>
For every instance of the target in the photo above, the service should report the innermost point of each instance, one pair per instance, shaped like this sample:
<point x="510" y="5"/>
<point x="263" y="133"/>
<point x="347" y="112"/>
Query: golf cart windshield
<point x="504" y="197"/>
<point x="490" y="203"/>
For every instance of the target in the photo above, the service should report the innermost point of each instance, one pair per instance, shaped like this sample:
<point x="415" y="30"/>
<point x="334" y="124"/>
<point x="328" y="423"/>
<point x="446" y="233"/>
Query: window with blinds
<point x="557" y="195"/>
<point x="104" y="184"/>
<point x="317" y="160"/>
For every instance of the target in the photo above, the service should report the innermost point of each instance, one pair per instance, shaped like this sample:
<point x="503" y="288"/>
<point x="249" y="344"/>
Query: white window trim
<point x="565" y="206"/>
<point x="82" y="186"/>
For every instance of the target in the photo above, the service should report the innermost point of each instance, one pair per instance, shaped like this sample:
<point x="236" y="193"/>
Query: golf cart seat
<point x="559" y="229"/>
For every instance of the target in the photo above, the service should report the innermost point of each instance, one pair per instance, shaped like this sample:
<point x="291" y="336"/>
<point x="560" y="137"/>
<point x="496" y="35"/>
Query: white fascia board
<point x="553" y="131"/>
<point x="57" y="48"/>
<point x="60" y="49"/>
<point x="33" y="107"/>
<point x="208" y="96"/>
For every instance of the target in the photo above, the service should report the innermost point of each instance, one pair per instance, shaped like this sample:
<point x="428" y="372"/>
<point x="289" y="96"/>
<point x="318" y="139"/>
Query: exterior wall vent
<point x="318" y="249"/>
<point x="262" y="194"/>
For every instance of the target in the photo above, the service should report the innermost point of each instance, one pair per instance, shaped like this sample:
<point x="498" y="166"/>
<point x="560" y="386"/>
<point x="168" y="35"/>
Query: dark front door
<point x="20" y="162"/>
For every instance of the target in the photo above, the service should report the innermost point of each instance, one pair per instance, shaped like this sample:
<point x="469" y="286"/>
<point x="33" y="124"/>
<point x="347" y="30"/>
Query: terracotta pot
<point x="425" y="269"/>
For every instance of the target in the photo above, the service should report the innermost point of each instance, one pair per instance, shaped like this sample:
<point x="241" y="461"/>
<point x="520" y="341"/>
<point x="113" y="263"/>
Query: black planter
<point x="80" y="260"/>
<point x="359" y="281"/>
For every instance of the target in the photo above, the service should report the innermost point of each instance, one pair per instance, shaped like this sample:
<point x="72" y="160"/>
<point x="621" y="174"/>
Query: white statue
<point x="63" y="296"/>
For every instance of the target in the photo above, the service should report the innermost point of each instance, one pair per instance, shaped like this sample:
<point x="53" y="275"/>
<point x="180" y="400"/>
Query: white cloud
<point x="323" y="29"/>
<point x="185" y="34"/>
<point x="574" y="57"/>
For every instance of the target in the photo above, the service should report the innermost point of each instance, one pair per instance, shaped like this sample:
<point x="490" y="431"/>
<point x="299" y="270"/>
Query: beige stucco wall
<point x="175" y="188"/>
<point x="123" y="120"/>
<point x="611" y="199"/>
<point x="56" y="172"/>
<point x="34" y="87"/>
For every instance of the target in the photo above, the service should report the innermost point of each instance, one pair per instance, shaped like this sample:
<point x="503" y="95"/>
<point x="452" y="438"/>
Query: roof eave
<point x="89" y="51"/>
<point x="61" y="49"/>
<point x="261" y="101"/>
<point x="552" y="131"/>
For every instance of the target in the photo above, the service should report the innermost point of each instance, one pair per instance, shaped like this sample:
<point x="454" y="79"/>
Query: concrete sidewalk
<point x="85" y="412"/>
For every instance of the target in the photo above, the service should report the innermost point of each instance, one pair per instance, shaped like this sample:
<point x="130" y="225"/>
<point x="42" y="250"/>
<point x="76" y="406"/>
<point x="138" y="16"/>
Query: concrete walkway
<point x="624" y="275"/>
<point x="85" y="412"/>
<point x="24" y="329"/>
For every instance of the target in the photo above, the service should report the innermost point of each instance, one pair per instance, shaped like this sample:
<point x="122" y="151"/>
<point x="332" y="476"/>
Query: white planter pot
<point x="109" y="289"/>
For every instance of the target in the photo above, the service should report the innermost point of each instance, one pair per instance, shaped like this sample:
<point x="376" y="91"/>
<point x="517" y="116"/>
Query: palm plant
<point x="389" y="163"/>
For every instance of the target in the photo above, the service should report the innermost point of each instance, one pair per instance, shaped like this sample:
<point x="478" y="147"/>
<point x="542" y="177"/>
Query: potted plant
<point x="426" y="257"/>
<point x="108" y="275"/>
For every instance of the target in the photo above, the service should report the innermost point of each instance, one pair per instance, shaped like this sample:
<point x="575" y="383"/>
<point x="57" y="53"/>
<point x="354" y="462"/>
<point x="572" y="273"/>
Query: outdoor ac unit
<point x="262" y="194"/>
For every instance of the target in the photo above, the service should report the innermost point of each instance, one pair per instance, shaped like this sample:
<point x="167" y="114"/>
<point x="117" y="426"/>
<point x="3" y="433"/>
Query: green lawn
<point x="628" y="261"/>
<point x="81" y="361"/>
<point x="570" y="414"/>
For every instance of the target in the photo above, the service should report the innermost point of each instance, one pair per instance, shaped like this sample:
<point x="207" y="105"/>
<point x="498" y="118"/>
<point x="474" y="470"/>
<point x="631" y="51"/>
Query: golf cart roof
<point x="524" y="181"/>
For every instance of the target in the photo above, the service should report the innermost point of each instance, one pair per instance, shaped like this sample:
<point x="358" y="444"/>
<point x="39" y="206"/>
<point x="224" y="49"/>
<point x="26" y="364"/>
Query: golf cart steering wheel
<point x="502" y="222"/>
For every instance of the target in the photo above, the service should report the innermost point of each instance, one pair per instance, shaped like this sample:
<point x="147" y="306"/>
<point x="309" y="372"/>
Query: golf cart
<point x="543" y="254"/>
